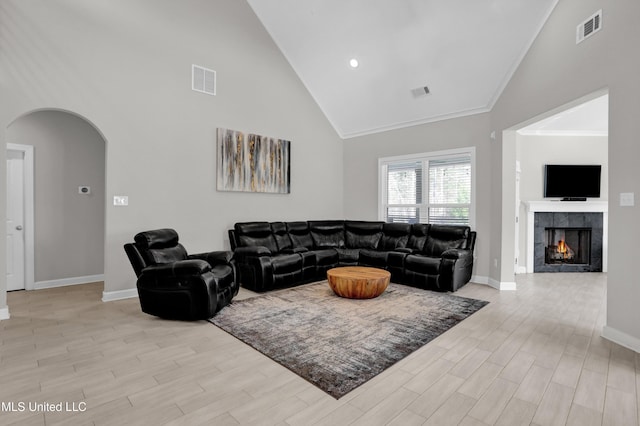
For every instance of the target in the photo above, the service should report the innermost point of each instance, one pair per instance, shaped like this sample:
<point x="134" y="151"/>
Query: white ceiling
<point x="465" y="51"/>
<point x="588" y="119"/>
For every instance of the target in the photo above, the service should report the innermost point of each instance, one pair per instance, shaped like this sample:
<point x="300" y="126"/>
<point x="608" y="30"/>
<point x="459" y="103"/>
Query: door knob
<point x="19" y="227"/>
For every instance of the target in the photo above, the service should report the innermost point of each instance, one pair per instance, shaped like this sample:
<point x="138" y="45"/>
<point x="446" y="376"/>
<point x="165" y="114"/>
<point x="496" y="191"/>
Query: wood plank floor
<point x="531" y="357"/>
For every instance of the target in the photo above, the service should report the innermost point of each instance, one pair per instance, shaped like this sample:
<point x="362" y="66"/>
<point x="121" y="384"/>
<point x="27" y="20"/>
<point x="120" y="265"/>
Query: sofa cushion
<point x="283" y="240"/>
<point x="286" y="263"/>
<point x="300" y="234"/>
<point x="363" y="234"/>
<point x="418" y="236"/>
<point x="252" y="234"/>
<point x="348" y="256"/>
<point x="327" y="233"/>
<point x="444" y="237"/>
<point x="424" y="265"/>
<point x="395" y="235"/>
<point x="373" y="258"/>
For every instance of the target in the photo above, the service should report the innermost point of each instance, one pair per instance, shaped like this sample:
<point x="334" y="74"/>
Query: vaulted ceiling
<point x="463" y="51"/>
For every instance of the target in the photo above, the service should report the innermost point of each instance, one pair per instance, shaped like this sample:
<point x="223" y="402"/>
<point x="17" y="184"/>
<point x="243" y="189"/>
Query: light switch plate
<point x="120" y="200"/>
<point x="627" y="199"/>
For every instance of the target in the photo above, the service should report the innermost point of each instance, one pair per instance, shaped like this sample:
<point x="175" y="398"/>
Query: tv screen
<point x="571" y="181"/>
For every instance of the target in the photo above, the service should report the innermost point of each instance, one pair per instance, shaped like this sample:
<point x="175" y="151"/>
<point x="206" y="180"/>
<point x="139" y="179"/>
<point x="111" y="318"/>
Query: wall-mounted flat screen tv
<point x="572" y="181"/>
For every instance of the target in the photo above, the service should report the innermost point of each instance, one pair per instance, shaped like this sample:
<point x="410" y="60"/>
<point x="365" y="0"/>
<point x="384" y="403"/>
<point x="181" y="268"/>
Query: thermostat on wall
<point x="84" y="190"/>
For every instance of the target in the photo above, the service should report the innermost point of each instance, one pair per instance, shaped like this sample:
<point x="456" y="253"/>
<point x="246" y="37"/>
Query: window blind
<point x="429" y="189"/>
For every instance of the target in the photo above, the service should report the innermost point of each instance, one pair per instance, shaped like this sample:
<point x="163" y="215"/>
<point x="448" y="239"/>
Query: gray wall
<point x="69" y="227"/>
<point x="534" y="152"/>
<point x="126" y="67"/>
<point x="361" y="168"/>
<point x="556" y="72"/>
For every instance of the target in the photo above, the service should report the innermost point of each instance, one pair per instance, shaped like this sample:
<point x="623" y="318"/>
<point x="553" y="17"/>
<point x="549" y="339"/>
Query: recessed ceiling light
<point x="354" y="63"/>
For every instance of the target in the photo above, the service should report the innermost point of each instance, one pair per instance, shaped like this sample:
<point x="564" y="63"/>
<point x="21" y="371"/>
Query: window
<point x="428" y="188"/>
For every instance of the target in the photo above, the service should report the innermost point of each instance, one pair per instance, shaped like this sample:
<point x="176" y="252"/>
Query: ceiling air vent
<point x="203" y="80"/>
<point x="589" y="27"/>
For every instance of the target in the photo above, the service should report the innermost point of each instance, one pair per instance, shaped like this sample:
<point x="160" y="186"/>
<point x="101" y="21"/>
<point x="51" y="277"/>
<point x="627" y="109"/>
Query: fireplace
<point x="568" y="242"/>
<point x="567" y="246"/>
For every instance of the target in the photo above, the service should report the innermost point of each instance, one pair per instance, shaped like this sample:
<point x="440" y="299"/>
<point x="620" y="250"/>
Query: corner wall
<point x="556" y="72"/>
<point x="133" y="82"/>
<point x="361" y="156"/>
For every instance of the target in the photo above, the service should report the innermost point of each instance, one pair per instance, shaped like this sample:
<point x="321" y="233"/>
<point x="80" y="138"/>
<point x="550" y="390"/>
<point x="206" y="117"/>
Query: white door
<point x="15" y="220"/>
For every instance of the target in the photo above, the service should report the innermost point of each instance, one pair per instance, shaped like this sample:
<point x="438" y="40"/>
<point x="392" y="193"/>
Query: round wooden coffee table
<point x="358" y="282"/>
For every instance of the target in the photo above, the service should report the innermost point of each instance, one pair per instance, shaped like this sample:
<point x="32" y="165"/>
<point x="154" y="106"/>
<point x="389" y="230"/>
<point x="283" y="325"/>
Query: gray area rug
<point x="338" y="344"/>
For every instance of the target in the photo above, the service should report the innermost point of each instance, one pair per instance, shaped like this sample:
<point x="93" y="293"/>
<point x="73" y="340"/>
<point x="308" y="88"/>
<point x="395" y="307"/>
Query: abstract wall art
<point x="252" y="163"/>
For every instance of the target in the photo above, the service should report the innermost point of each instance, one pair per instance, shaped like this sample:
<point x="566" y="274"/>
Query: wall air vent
<point x="203" y="80"/>
<point x="589" y="27"/>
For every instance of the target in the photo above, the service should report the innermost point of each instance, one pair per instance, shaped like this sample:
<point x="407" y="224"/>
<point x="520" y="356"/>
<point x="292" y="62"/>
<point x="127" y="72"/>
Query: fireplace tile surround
<point x="542" y="215"/>
<point x="571" y="221"/>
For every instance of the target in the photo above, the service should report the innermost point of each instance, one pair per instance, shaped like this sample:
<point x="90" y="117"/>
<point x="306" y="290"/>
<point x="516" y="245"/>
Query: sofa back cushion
<point x="445" y="237"/>
<point x="418" y="236"/>
<point x="251" y="234"/>
<point x="283" y="241"/>
<point x="362" y="234"/>
<point x="160" y="246"/>
<point x="395" y="235"/>
<point x="327" y="233"/>
<point x="300" y="234"/>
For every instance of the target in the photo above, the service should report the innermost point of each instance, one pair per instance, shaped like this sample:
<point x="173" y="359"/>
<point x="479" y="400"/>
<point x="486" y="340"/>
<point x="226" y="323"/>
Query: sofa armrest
<point x="295" y="250"/>
<point x="214" y="257"/>
<point x="404" y="250"/>
<point x="241" y="253"/>
<point x="455" y="254"/>
<point x="455" y="269"/>
<point x="179" y="269"/>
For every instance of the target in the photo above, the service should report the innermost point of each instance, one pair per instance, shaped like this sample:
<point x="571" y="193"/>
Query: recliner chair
<point x="174" y="285"/>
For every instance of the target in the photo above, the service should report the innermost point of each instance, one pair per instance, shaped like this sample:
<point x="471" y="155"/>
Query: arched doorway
<point x="68" y="217"/>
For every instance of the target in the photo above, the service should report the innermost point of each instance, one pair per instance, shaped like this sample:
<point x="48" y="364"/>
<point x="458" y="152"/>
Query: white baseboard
<point x="621" y="338"/>
<point x="502" y="285"/>
<point x="480" y="280"/>
<point x="493" y="283"/>
<point x="521" y="269"/>
<point x="4" y="314"/>
<point x="39" y="285"/>
<point x="110" y="296"/>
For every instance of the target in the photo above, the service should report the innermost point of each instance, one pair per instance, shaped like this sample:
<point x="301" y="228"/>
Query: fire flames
<point x="563" y="248"/>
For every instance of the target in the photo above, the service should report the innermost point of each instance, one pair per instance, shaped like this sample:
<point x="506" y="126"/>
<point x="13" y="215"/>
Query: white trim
<point x="411" y="123"/>
<point x="521" y="269"/>
<point x="424" y="156"/>
<point x="476" y="279"/>
<point x="29" y="213"/>
<point x="586" y="133"/>
<point x="502" y="286"/>
<point x="4" y="313"/>
<point x="621" y="338"/>
<point x="110" y="296"/>
<point x="67" y="281"/>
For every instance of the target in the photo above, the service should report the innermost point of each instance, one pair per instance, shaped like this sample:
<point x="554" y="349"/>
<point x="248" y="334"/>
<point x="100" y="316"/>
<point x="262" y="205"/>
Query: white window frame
<point x="426" y="156"/>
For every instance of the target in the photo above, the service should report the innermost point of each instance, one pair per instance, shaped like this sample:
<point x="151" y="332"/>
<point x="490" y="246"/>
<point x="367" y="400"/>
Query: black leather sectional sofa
<point x="270" y="255"/>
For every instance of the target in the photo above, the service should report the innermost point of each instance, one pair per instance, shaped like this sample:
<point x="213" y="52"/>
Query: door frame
<point x="29" y="186"/>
